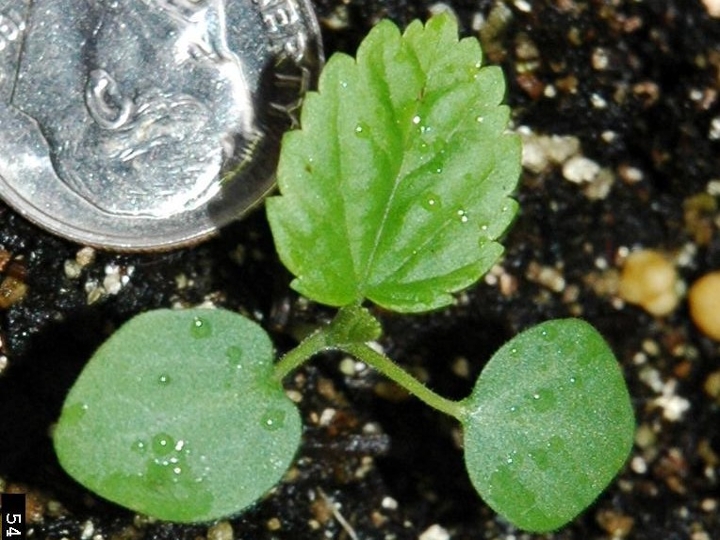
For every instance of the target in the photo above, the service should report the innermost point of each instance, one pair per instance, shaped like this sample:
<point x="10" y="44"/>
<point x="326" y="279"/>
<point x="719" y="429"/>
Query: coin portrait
<point x="129" y="119"/>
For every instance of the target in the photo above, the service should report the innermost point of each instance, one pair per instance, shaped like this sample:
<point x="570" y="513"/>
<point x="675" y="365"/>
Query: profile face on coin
<point x="147" y="123"/>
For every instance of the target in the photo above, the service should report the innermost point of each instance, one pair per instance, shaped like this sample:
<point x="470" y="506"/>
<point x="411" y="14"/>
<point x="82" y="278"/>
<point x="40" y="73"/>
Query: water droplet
<point x="156" y="473"/>
<point x="234" y="355"/>
<point x="432" y="202"/>
<point x="480" y="119"/>
<point x="573" y="380"/>
<point x="416" y="120"/>
<point x="513" y="351"/>
<point x="548" y="332"/>
<point x="343" y="84"/>
<point x="462" y="215"/>
<point x="74" y="413"/>
<point x="162" y="444"/>
<point x="543" y="400"/>
<point x="517" y="497"/>
<point x="362" y="130"/>
<point x="200" y="328"/>
<point x="509" y="460"/>
<point x="513" y="408"/>
<point x="273" y="419"/>
<point x="164" y="379"/>
<point x="138" y="446"/>
<point x="541" y="458"/>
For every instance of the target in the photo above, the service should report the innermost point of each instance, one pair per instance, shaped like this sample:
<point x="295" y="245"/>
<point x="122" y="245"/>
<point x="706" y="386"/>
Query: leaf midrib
<point x="387" y="103"/>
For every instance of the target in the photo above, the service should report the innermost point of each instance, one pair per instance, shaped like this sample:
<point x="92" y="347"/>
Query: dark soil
<point x="637" y="82"/>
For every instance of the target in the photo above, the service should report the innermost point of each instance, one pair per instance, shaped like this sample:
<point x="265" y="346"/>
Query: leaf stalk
<point x="343" y="325"/>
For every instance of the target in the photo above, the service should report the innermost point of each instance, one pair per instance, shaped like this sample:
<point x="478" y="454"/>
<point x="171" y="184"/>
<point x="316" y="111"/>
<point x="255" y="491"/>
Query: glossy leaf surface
<point x="548" y="425"/>
<point x="178" y="416"/>
<point x="397" y="185"/>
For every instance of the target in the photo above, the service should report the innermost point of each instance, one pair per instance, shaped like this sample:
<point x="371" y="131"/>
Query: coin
<point x="147" y="124"/>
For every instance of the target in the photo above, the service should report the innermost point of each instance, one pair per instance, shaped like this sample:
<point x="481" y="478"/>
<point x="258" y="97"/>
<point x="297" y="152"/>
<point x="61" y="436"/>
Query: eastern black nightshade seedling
<point x="394" y="191"/>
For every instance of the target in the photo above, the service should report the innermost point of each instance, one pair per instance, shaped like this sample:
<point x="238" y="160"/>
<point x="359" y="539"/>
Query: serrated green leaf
<point x="397" y="186"/>
<point x="178" y="416"/>
<point x="548" y="425"/>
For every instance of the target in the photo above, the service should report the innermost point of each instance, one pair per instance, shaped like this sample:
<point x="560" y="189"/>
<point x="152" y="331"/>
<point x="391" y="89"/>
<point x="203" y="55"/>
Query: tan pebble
<point x="650" y="280"/>
<point x="221" y="531"/>
<point x="704" y="301"/>
<point x="712" y="385"/>
<point x="712" y="7"/>
<point x="615" y="523"/>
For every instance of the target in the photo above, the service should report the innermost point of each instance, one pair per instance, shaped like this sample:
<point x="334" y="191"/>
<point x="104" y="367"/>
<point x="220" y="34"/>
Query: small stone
<point x="650" y="280"/>
<point x="712" y="385"/>
<point x="547" y="276"/>
<point x="579" y="169"/>
<point x="614" y="523"/>
<point x="12" y="290"/>
<point x="600" y="59"/>
<point x="704" y="302"/>
<point x="712" y="7"/>
<point x="72" y="269"/>
<point x="273" y="524"/>
<point x="85" y="256"/>
<point x="388" y="503"/>
<point x="434" y="532"/>
<point x="221" y="531"/>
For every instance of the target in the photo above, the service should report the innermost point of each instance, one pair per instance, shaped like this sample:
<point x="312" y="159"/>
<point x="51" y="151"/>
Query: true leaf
<point x="397" y="185"/>
<point x="178" y="416"/>
<point x="548" y="424"/>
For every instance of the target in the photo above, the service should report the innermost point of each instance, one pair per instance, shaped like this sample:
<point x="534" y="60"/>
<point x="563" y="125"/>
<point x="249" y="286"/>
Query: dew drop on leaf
<point x="518" y="497"/>
<point x="162" y="444"/>
<point x="273" y="419"/>
<point x="573" y="436"/>
<point x="234" y="355"/>
<point x="362" y="130"/>
<point x="172" y="472"/>
<point x="432" y="202"/>
<point x="74" y="413"/>
<point x="543" y="401"/>
<point x="138" y="446"/>
<point x="200" y="328"/>
<point x="541" y="458"/>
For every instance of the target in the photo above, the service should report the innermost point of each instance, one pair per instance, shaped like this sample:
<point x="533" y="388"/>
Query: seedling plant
<point x="394" y="192"/>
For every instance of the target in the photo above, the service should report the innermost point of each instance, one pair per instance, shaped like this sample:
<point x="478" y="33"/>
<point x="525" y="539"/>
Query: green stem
<point x="310" y="346"/>
<point x="365" y="353"/>
<point x="325" y="339"/>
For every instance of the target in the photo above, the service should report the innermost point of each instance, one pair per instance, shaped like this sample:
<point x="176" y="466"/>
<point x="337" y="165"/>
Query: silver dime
<point x="146" y="124"/>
